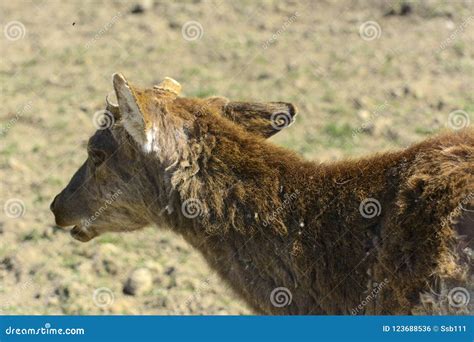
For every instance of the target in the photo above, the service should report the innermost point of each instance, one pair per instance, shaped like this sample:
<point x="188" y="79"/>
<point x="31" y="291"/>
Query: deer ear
<point x="130" y="112"/>
<point x="263" y="119"/>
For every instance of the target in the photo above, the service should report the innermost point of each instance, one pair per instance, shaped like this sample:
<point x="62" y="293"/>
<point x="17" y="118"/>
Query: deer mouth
<point x="83" y="234"/>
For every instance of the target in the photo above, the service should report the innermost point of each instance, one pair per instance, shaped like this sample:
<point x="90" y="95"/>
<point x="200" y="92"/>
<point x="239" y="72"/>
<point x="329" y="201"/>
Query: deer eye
<point x="97" y="156"/>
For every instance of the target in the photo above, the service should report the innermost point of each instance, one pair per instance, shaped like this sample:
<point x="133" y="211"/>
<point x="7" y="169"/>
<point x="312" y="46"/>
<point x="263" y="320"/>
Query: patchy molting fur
<point x="319" y="247"/>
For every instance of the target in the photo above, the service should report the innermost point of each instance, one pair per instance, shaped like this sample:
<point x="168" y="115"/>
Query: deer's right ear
<point x="263" y="119"/>
<point x="130" y="113"/>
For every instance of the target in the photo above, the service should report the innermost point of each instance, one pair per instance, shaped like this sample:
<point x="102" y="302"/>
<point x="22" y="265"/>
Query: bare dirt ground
<point x="366" y="76"/>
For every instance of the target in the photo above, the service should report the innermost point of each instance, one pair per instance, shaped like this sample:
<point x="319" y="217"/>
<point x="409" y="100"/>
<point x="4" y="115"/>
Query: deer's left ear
<point x="132" y="117"/>
<point x="263" y="119"/>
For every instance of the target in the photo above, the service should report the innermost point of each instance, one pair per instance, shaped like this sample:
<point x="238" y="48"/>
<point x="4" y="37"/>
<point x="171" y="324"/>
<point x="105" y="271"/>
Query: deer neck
<point x="238" y="223"/>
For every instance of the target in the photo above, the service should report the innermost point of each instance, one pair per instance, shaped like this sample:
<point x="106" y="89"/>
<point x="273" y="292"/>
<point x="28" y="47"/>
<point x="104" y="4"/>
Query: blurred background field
<point x="366" y="76"/>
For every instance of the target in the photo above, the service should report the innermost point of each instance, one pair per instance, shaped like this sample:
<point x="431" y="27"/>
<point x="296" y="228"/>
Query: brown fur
<point x="267" y="218"/>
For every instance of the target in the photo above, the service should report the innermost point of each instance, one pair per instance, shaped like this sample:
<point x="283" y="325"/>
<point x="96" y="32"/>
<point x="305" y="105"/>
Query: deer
<point x="390" y="233"/>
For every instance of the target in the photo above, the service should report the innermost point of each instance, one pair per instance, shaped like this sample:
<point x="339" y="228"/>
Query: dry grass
<point x="355" y="96"/>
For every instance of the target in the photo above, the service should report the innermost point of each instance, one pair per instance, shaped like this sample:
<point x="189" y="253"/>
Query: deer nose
<point x="51" y="206"/>
<point x="58" y="212"/>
